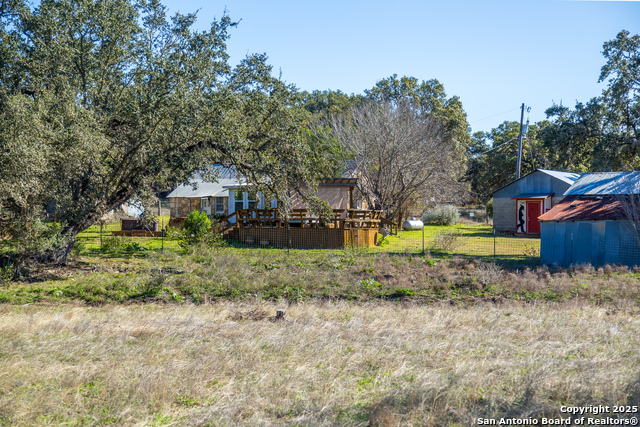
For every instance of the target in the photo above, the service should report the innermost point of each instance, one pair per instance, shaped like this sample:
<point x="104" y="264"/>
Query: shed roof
<point x="604" y="183"/>
<point x="226" y="178"/>
<point x="586" y="208"/>
<point x="566" y="177"/>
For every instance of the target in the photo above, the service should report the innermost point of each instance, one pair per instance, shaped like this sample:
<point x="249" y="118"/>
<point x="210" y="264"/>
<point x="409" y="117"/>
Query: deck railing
<point x="393" y="227"/>
<point x="340" y="218"/>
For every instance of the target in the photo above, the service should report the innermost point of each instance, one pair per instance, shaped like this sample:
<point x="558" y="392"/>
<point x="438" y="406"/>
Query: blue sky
<point x="494" y="55"/>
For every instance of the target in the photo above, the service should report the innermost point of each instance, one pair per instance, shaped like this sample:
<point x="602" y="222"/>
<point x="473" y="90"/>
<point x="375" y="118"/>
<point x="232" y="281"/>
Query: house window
<point x="246" y="200"/>
<point x="204" y="203"/>
<point x="239" y="204"/>
<point x="219" y="201"/>
<point x="251" y="200"/>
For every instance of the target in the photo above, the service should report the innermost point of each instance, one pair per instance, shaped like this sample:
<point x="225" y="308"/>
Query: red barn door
<point x="533" y="212"/>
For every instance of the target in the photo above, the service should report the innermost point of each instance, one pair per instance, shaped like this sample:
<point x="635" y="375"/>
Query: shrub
<point x="6" y="273"/>
<point x="113" y="244"/>
<point x="196" y="230"/>
<point x="490" y="209"/>
<point x="441" y="215"/>
<point x="196" y="227"/>
<point x="447" y="241"/>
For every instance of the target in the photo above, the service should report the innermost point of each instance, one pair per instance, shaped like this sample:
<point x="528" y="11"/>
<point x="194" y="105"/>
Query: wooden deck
<point x="303" y="238"/>
<point x="265" y="227"/>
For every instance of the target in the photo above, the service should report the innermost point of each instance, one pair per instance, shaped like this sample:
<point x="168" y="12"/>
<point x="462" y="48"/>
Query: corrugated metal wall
<point x="589" y="242"/>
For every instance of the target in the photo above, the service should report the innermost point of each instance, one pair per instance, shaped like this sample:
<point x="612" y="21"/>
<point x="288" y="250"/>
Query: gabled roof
<point x="604" y="183"/>
<point x="226" y="178"/>
<point x="566" y="177"/>
<point x="584" y="208"/>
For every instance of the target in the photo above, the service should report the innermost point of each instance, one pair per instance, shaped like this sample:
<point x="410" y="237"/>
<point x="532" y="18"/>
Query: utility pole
<point x="520" y="143"/>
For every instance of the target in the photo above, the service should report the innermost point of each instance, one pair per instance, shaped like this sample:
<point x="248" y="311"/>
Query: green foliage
<point x="329" y="102"/>
<point x="186" y="400"/>
<point x="7" y="273"/>
<point x="112" y="244"/>
<point x="31" y="235"/>
<point x="102" y="102"/>
<point x="494" y="160"/>
<point x="134" y="247"/>
<point x="489" y="208"/>
<point x="441" y="215"/>
<point x="426" y="97"/>
<point x="404" y="292"/>
<point x="370" y="285"/>
<point x="603" y="133"/>
<point x="196" y="230"/>
<point x="196" y="227"/>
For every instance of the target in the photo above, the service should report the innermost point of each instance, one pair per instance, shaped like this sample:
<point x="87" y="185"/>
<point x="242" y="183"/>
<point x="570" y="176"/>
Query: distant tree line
<point x="602" y="134"/>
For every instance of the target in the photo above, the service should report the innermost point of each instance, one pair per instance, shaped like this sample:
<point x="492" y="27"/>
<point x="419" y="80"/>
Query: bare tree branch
<point x="402" y="156"/>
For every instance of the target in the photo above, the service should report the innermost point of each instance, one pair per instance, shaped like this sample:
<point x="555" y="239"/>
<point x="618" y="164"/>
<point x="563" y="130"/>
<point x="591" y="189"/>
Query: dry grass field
<point x="150" y="338"/>
<point x="329" y="363"/>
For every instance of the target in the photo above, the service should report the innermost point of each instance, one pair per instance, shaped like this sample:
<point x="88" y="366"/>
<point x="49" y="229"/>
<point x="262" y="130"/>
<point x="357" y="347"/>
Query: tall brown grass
<point x="327" y="364"/>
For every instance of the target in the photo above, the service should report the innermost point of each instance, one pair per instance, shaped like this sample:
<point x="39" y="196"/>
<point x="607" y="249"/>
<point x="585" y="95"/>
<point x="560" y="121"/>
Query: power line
<point x="497" y="146"/>
<point x="495" y="115"/>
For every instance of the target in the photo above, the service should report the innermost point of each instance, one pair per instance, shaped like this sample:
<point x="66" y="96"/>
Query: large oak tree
<point x="105" y="100"/>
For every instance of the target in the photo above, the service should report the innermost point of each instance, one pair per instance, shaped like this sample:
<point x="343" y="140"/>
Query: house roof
<point x="566" y="177"/>
<point x="586" y="208"/>
<point x="605" y="183"/>
<point x="226" y="178"/>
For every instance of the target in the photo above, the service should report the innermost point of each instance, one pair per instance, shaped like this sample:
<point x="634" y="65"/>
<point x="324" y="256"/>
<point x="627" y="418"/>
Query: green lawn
<point x="462" y="240"/>
<point x="458" y="240"/>
<point x="94" y="238"/>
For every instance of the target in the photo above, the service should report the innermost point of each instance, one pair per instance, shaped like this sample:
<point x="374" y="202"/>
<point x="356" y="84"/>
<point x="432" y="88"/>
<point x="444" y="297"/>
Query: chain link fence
<point x="475" y="241"/>
<point x="469" y="240"/>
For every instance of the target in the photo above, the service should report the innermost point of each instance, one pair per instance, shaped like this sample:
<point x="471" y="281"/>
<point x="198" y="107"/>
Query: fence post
<point x="288" y="239"/>
<point x="423" y="252"/>
<point x="100" y="234"/>
<point x="494" y="245"/>
<point x="162" y="229"/>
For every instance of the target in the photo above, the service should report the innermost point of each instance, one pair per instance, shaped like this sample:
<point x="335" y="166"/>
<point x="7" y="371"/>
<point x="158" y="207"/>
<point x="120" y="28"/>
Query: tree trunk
<point x="57" y="255"/>
<point x="60" y="254"/>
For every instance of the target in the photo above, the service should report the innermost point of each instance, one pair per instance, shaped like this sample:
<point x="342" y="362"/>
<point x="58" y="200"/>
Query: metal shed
<point x="592" y="224"/>
<point x="517" y="205"/>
